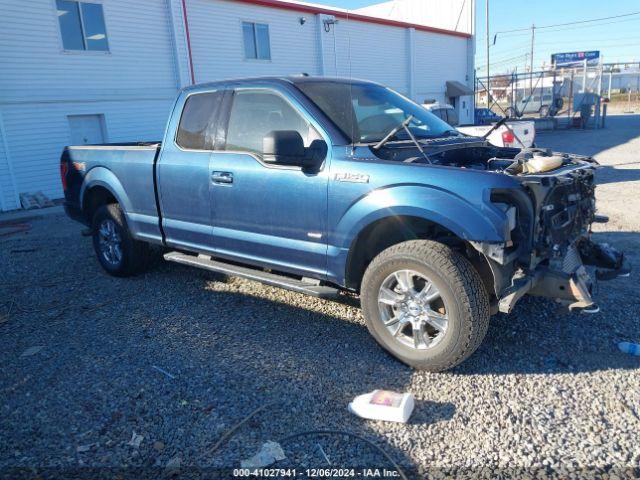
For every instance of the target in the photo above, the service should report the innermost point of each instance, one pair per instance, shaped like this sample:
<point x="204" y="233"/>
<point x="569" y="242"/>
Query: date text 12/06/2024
<point x="315" y="473"/>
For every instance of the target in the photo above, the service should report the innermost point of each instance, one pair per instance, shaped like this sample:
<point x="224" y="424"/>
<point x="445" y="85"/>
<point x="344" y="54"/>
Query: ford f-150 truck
<point x="335" y="187"/>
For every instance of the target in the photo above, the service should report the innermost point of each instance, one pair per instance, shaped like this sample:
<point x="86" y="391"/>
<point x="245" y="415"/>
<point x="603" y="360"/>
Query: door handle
<point x="222" y="177"/>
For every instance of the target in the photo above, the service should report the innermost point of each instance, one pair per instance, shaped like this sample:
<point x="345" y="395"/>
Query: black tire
<point x="464" y="298"/>
<point x="135" y="256"/>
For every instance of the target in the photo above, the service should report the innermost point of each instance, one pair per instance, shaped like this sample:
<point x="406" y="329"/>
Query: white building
<point x="456" y="15"/>
<point x="101" y="71"/>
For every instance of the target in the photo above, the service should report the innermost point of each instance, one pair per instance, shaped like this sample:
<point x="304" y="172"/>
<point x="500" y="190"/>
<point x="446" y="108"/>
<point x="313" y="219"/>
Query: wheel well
<point x="94" y="198"/>
<point x="390" y="231"/>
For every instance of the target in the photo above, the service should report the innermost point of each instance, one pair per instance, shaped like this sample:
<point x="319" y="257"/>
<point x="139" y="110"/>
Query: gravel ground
<point x="79" y="351"/>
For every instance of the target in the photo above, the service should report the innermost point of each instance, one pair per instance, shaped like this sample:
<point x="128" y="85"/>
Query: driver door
<point x="264" y="213"/>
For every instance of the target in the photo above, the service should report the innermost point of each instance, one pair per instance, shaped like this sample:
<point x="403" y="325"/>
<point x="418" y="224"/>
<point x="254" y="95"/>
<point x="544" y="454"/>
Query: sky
<point x="617" y="39"/>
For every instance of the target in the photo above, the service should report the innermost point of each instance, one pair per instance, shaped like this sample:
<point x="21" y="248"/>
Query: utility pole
<point x="488" y="76"/>
<point x="533" y="36"/>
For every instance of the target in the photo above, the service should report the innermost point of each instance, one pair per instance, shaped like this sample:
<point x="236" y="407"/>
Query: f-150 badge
<point x="352" y="177"/>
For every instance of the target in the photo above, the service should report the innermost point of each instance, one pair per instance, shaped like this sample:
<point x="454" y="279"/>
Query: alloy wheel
<point x="412" y="309"/>
<point x="110" y="242"/>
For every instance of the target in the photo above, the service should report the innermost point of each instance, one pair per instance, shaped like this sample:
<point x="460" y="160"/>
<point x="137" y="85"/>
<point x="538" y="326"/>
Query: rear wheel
<point x="117" y="251"/>
<point x="425" y="304"/>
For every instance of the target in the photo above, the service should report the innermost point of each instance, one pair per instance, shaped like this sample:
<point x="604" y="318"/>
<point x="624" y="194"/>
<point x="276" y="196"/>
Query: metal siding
<point x="372" y="52"/>
<point x="133" y="85"/>
<point x="140" y="57"/>
<point x="454" y="15"/>
<point x="439" y="58"/>
<point x="218" y="49"/>
<point x="37" y="134"/>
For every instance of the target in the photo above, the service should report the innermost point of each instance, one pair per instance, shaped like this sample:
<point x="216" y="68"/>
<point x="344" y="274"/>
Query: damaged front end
<point x="550" y="252"/>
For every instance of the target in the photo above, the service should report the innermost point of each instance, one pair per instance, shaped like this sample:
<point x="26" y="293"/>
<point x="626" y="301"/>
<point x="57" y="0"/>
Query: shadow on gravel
<point x="611" y="174"/>
<point x="619" y="129"/>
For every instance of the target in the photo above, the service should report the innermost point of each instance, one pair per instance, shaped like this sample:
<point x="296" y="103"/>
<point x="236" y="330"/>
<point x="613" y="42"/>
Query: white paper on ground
<point x="383" y="405"/>
<point x="268" y="454"/>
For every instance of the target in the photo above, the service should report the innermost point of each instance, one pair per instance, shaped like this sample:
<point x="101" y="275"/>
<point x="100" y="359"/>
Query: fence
<point x="570" y="96"/>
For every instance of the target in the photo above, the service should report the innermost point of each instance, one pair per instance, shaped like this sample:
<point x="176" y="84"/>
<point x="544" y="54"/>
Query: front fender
<point x="470" y="221"/>
<point x="103" y="177"/>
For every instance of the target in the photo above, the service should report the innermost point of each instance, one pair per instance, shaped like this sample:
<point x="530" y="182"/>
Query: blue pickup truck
<point x="333" y="187"/>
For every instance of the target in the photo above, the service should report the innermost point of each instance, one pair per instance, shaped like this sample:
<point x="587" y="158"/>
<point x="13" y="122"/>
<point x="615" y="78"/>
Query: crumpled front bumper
<point x="571" y="285"/>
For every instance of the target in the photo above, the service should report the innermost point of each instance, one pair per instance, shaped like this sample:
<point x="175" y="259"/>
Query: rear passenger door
<point x="263" y="213"/>
<point x="183" y="172"/>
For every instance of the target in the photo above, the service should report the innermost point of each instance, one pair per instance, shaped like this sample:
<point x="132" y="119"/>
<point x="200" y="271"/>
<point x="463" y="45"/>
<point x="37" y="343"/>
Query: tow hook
<point x="591" y="309"/>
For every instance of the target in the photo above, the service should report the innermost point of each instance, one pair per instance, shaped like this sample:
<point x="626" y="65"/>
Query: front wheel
<point x="117" y="251"/>
<point x="425" y="304"/>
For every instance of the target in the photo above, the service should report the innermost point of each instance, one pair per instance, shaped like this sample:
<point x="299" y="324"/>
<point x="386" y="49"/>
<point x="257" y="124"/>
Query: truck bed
<point x="524" y="130"/>
<point x="127" y="168"/>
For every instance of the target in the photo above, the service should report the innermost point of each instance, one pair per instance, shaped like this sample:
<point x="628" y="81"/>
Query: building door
<point x="86" y="129"/>
<point x="464" y="108"/>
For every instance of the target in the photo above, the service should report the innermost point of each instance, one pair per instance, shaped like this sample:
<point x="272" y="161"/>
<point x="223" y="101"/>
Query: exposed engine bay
<point x="551" y="217"/>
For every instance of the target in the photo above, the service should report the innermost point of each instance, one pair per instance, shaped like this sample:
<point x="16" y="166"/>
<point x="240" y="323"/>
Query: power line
<point x="502" y="58"/>
<point x="523" y="32"/>
<point x="572" y="23"/>
<point x="601" y="43"/>
<point x="505" y="61"/>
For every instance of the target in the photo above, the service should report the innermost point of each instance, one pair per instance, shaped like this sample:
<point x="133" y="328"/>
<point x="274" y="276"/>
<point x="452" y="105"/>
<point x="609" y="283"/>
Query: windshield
<point x="366" y="113"/>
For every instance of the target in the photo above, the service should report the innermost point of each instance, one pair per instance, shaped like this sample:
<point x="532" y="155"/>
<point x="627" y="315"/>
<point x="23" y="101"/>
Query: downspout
<point x="411" y="69"/>
<point x="186" y="31"/>
<point x="7" y="155"/>
<point x="177" y="64"/>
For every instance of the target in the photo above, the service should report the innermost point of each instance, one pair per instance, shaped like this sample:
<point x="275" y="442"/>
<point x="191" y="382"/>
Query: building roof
<point x="315" y="9"/>
<point x="455" y="15"/>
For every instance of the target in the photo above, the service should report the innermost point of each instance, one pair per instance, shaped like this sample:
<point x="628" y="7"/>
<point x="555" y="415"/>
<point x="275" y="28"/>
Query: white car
<point x="518" y="133"/>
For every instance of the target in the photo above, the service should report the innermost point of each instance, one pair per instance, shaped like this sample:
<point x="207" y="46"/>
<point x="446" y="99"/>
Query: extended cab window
<point x="197" y="123"/>
<point x="256" y="113"/>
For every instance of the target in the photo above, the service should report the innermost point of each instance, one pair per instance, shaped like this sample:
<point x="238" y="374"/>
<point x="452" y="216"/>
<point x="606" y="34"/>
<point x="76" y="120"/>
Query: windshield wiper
<point x="403" y="126"/>
<point x="494" y="128"/>
<point x="451" y="132"/>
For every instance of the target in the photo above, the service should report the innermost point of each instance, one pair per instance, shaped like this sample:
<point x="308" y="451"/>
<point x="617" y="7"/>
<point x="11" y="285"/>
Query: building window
<point x="256" y="41"/>
<point x="82" y="26"/>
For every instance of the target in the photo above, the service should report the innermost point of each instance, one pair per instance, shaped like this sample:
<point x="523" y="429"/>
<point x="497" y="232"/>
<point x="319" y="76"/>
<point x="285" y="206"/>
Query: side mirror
<point x="286" y="147"/>
<point x="283" y="146"/>
<point x="315" y="154"/>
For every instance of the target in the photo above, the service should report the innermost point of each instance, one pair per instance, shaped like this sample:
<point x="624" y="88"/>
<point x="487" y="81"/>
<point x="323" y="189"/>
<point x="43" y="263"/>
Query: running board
<point x="275" y="280"/>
